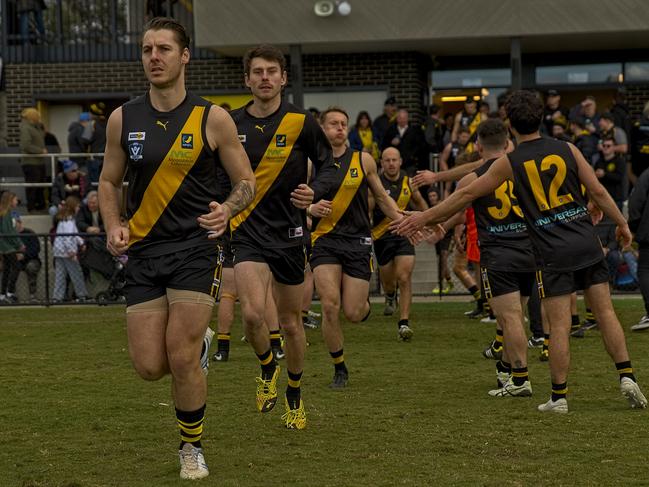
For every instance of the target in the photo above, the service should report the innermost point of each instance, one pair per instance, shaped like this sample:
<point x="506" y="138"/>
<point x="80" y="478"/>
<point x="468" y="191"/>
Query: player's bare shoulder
<point x="220" y="127"/>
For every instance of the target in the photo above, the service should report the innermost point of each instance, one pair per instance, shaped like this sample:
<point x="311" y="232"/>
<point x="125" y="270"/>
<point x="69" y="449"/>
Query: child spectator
<point x="66" y="250"/>
<point x="11" y="248"/>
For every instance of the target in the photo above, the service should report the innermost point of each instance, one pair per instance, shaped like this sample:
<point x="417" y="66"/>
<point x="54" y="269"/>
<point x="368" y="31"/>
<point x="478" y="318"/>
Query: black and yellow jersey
<point x="349" y="221"/>
<point x="279" y="147"/>
<point x="502" y="233"/>
<point x="171" y="175"/>
<point x="399" y="190"/>
<point x="549" y="193"/>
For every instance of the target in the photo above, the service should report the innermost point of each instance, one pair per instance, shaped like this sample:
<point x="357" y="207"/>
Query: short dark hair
<point x="264" y="51"/>
<point x="525" y="111"/>
<point x="333" y="109"/>
<point x="167" y="23"/>
<point x="492" y="133"/>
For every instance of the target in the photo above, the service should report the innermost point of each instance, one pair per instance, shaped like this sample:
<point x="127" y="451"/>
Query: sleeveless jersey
<point x="502" y="233"/>
<point x="349" y="219"/>
<point x="171" y="175"/>
<point x="456" y="150"/>
<point x="400" y="192"/>
<point x="548" y="189"/>
<point x="279" y="147"/>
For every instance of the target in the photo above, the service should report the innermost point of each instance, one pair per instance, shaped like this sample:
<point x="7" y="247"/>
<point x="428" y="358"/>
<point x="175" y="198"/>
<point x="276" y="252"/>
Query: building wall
<point x="404" y="75"/>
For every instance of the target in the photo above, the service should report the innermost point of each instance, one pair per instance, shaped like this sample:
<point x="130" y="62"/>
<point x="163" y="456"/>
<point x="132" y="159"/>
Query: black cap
<point x="608" y="116"/>
<point x="553" y="93"/>
<point x="391" y="101"/>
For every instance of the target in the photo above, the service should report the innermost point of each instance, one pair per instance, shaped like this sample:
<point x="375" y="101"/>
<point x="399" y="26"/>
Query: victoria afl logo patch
<point x="135" y="151"/>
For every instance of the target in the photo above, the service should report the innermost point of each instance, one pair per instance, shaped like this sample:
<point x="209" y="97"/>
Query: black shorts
<point x="195" y="269"/>
<point x="355" y="263"/>
<point x="498" y="283"/>
<point x="444" y="244"/>
<point x="388" y="248"/>
<point x="228" y="257"/>
<point x="287" y="264"/>
<point x="553" y="283"/>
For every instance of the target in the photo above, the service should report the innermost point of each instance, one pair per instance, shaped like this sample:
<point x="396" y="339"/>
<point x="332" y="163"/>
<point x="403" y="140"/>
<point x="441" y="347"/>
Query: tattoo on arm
<point x="240" y="197"/>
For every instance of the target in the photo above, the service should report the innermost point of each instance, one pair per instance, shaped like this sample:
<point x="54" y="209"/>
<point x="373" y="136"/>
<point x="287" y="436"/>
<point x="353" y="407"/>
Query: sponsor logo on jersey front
<point x="135" y="151"/>
<point x="280" y="140"/>
<point x="187" y="141"/>
<point x="242" y="138"/>
<point x="353" y="172"/>
<point x="136" y="136"/>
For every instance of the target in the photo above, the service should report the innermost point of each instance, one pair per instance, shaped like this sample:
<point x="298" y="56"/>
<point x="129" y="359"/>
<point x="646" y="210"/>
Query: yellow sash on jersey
<point x="343" y="198"/>
<point x="473" y="126"/>
<point x="402" y="202"/>
<point x="170" y="174"/>
<point x="273" y="161"/>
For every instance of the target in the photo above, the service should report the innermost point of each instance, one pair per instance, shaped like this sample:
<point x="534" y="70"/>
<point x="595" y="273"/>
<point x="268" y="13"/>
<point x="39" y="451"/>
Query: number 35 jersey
<point x="502" y="233"/>
<point x="549" y="193"/>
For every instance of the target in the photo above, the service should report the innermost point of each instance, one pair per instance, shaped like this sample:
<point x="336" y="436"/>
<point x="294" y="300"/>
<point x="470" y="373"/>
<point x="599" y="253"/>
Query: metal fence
<point x="84" y="30"/>
<point x="35" y="276"/>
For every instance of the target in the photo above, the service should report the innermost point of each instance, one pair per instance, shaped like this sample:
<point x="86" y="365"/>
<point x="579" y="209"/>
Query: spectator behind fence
<point x="32" y="141"/>
<point x="25" y="9"/>
<point x="31" y="263"/>
<point x="383" y="121"/>
<point x="97" y="141"/>
<point x="79" y="133"/>
<point x="434" y="132"/>
<point x="640" y="145"/>
<point x="610" y="169"/>
<point x="584" y="140"/>
<point x="70" y="182"/>
<point x="553" y="110"/>
<point x="66" y="249"/>
<point x="608" y="130"/>
<point x="88" y="217"/>
<point x="11" y="248"/>
<point x="361" y="136"/>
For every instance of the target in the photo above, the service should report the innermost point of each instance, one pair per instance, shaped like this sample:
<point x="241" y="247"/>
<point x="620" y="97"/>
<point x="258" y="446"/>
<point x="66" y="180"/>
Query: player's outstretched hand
<point x="302" y="197"/>
<point x="117" y="240"/>
<point x="411" y="224"/>
<point x="216" y="221"/>
<point x="423" y="178"/>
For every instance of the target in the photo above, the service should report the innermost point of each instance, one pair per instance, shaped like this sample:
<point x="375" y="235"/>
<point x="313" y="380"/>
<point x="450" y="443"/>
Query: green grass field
<point x="73" y="412"/>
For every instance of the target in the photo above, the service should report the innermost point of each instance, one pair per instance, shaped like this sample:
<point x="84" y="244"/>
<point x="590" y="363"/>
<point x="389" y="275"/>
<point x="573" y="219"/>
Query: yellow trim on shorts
<point x="485" y="283"/>
<point x="539" y="283"/>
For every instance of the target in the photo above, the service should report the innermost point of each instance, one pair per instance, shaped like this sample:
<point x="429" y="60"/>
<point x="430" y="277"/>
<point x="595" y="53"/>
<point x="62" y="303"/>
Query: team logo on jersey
<point x="135" y="151"/>
<point x="187" y="141"/>
<point x="280" y="140"/>
<point x="242" y="138"/>
<point x="610" y="167"/>
<point x="353" y="172"/>
<point x="136" y="136"/>
<point x="260" y="128"/>
<point x="162" y="124"/>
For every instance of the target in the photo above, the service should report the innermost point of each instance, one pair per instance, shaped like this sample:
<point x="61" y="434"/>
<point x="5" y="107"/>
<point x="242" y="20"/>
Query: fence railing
<point x="36" y="275"/>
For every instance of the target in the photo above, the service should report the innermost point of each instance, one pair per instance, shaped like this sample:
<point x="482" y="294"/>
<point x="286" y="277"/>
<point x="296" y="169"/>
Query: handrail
<point x="53" y="160"/>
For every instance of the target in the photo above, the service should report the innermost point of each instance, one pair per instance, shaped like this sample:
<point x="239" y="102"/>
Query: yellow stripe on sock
<point x="192" y="431"/>
<point x="222" y="336"/>
<point x="338" y="360"/>
<point x="520" y="374"/>
<point x="294" y="383"/>
<point x="267" y="361"/>
<point x="560" y="391"/>
<point x="628" y="370"/>
<point x="182" y="424"/>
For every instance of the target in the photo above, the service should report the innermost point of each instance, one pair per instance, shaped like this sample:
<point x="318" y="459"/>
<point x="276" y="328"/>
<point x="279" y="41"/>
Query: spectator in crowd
<point x="32" y="144"/>
<point x="11" y="248"/>
<point x="70" y="182"/>
<point x="639" y="225"/>
<point x="315" y="112"/>
<point x="383" y="121"/>
<point x="608" y="130"/>
<point x="361" y="136"/>
<point x="589" y="114"/>
<point x="583" y="139"/>
<point x="468" y="118"/>
<point x="96" y="143"/>
<point x="434" y="132"/>
<point x="88" y="217"/>
<point x="51" y="142"/>
<point x="65" y="250"/>
<point x="553" y="110"/>
<point x="484" y="109"/>
<point x="640" y="146"/>
<point x="409" y="139"/>
<point x="79" y="133"/>
<point x="610" y="169"/>
<point x="31" y="263"/>
<point x="620" y="111"/>
<point x="559" y="126"/>
<point x="448" y="128"/>
<point x="25" y="9"/>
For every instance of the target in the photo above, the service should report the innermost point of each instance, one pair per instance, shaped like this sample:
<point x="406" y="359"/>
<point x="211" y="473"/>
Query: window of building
<point x="579" y="74"/>
<point x="636" y="72"/>
<point x="471" y="78"/>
